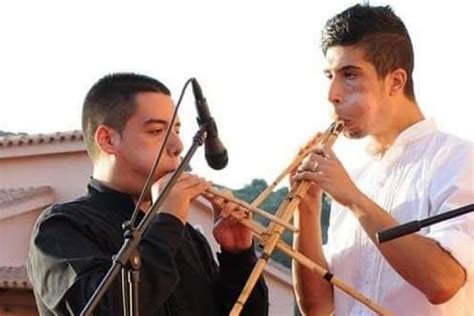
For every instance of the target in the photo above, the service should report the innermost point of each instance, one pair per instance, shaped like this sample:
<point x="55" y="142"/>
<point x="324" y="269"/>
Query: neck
<point x="106" y="171"/>
<point x="407" y="113"/>
<point x="109" y="182"/>
<point x="118" y="181"/>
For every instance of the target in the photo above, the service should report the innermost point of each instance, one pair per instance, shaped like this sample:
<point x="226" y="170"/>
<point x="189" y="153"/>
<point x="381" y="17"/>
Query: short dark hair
<point x="111" y="102"/>
<point x="379" y="32"/>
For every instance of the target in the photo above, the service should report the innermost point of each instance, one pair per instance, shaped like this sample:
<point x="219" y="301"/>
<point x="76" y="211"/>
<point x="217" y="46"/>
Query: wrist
<point x="236" y="259"/>
<point x="178" y="216"/>
<point x="356" y="204"/>
<point x="310" y="207"/>
<point x="235" y="251"/>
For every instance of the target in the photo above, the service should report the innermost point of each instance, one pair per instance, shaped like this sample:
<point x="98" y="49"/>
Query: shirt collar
<point x="409" y="135"/>
<point x="119" y="201"/>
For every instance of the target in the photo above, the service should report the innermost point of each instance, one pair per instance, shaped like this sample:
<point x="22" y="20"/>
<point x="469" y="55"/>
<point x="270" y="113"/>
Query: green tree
<point x="5" y="133"/>
<point x="250" y="191"/>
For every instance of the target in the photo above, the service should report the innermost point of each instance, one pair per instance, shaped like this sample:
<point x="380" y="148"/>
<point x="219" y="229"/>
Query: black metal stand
<point x="414" y="226"/>
<point x="130" y="282"/>
<point x="128" y="256"/>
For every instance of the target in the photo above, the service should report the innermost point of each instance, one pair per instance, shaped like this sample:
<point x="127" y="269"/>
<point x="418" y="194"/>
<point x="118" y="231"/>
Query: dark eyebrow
<point x="160" y="121"/>
<point x="343" y="68"/>
<point x="349" y="67"/>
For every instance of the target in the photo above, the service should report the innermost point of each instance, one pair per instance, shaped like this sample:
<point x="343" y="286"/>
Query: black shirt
<point x="72" y="246"/>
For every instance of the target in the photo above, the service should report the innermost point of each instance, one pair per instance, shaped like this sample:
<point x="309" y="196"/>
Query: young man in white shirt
<point x="416" y="171"/>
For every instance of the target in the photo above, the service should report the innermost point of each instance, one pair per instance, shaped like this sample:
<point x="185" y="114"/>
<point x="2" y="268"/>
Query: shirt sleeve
<point x="452" y="187"/>
<point x="234" y="270"/>
<point x="67" y="261"/>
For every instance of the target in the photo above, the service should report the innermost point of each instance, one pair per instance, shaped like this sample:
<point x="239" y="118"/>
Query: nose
<point x="335" y="93"/>
<point x="174" y="145"/>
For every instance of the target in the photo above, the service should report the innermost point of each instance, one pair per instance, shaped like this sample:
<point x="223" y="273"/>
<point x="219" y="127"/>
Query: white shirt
<point x="425" y="172"/>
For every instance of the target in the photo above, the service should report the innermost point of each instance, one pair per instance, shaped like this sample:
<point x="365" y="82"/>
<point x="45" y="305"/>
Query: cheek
<point x="361" y="102"/>
<point x="355" y="105"/>
<point x="136" y="153"/>
<point x="368" y="112"/>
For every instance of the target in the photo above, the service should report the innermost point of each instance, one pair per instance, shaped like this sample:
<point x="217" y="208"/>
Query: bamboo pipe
<point x="252" y="208"/>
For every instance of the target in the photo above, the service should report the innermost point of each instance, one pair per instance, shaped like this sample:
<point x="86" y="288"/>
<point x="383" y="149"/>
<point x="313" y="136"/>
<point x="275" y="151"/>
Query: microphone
<point x="414" y="226"/>
<point x="215" y="152"/>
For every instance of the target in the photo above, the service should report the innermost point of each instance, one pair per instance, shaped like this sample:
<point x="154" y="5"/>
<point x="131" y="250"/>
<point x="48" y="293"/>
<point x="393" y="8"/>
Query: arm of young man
<point x="236" y="260"/>
<point x="234" y="270"/>
<point x="420" y="260"/>
<point x="309" y="242"/>
<point x="69" y="257"/>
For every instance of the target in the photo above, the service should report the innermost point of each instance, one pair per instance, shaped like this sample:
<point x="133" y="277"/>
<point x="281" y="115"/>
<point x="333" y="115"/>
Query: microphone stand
<point x="128" y="257"/>
<point x="414" y="226"/>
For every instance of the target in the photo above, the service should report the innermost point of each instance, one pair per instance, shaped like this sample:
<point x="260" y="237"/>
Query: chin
<point x="354" y="134"/>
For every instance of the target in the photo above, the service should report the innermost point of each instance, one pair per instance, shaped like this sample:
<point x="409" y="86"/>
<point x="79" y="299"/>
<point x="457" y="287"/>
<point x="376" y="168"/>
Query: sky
<point x="258" y="63"/>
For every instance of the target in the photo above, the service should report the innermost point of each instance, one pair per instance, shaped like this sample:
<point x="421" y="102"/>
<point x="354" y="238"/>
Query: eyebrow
<point x="160" y="121"/>
<point x="343" y="68"/>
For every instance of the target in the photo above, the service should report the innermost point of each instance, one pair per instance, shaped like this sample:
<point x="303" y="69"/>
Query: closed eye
<point x="349" y="74"/>
<point x="156" y="131"/>
<point x="161" y="131"/>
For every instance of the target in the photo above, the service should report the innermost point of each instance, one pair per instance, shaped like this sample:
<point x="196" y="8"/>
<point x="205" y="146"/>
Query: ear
<point x="107" y="139"/>
<point x="397" y="81"/>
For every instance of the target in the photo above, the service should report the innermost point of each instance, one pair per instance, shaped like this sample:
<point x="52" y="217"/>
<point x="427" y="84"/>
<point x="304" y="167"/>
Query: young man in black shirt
<point x="125" y="117"/>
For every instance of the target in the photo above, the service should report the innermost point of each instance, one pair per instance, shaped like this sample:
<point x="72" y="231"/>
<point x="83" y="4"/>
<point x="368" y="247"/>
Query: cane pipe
<point x="305" y="151"/>
<point x="259" y="232"/>
<point x="285" y="212"/>
<point x="250" y="208"/>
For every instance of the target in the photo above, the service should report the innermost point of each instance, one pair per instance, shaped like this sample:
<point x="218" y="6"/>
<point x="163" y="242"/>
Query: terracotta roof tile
<point x="11" y="196"/>
<point x="14" y="278"/>
<point x="32" y="139"/>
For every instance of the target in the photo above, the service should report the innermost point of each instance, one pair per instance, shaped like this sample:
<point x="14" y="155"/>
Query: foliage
<point x="250" y="191"/>
<point x="5" y="133"/>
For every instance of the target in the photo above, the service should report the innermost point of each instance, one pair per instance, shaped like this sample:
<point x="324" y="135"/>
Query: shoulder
<point x="447" y="149"/>
<point x="72" y="215"/>
<point x="450" y="171"/>
<point x="447" y="143"/>
<point x="64" y="226"/>
<point x="72" y="209"/>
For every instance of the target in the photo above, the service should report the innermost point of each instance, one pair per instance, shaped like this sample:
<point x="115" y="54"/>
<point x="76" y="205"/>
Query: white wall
<point x="66" y="173"/>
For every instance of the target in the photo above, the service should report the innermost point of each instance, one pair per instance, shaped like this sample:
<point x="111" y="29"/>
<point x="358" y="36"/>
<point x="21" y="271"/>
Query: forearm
<point x="157" y="249"/>
<point x="418" y="259"/>
<point x="158" y="272"/>
<point x="234" y="271"/>
<point x="314" y="294"/>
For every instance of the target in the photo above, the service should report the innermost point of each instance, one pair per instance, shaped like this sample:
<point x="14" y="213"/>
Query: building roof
<point x="14" y="278"/>
<point x="14" y="202"/>
<point x="33" y="139"/>
<point x="17" y="195"/>
<point x="16" y="146"/>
